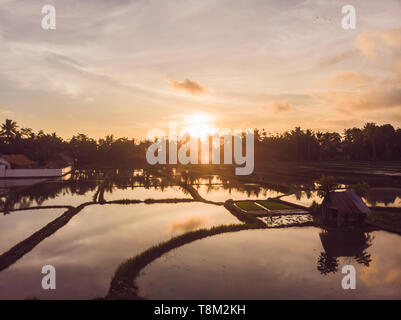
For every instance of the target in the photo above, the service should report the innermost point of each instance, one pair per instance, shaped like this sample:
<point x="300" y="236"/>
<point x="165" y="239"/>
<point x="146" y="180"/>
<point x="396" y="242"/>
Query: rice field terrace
<point x="160" y="233"/>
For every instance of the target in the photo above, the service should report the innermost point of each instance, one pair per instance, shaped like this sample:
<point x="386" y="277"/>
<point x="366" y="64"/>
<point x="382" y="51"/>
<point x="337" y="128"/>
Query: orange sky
<point x="125" y="67"/>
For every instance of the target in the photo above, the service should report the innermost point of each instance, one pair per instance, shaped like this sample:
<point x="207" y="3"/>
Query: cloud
<point x="65" y="60"/>
<point x="338" y="58"/>
<point x="350" y="77"/>
<point x="366" y="42"/>
<point x="189" y="86"/>
<point x="371" y="42"/>
<point x="2" y="111"/>
<point x="391" y="38"/>
<point x="343" y="111"/>
<point x="367" y="100"/>
<point x="279" y="107"/>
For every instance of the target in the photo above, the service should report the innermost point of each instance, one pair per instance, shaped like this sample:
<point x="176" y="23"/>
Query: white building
<point x="19" y="166"/>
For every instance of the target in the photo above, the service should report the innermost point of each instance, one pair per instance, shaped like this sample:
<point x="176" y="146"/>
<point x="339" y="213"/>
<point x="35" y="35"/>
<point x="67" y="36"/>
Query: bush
<point x="361" y="189"/>
<point x="326" y="185"/>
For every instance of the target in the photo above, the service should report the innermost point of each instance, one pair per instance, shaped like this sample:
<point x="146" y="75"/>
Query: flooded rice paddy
<point x="117" y="220"/>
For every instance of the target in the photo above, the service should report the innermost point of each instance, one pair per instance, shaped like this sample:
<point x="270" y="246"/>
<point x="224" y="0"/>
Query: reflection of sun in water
<point x="198" y="125"/>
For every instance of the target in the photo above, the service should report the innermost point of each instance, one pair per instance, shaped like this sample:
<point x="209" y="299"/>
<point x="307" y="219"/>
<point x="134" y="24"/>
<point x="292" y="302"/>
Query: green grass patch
<point x="273" y="205"/>
<point x="248" y="205"/>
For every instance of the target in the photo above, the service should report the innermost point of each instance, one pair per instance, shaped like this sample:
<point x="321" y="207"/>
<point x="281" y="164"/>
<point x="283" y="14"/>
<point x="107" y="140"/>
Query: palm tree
<point x="326" y="185"/>
<point x="370" y="131"/>
<point x="386" y="135"/>
<point x="354" y="143"/>
<point x="9" y="130"/>
<point x="27" y="133"/>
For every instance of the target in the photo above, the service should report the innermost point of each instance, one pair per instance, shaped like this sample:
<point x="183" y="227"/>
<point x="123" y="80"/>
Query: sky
<point x="125" y="67"/>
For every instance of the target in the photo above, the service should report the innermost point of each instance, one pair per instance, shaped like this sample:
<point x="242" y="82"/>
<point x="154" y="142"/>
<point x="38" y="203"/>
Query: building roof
<point x="18" y="159"/>
<point x="347" y="202"/>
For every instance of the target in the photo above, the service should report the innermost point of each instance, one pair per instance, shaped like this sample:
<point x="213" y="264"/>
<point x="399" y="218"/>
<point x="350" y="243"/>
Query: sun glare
<point x="198" y="125"/>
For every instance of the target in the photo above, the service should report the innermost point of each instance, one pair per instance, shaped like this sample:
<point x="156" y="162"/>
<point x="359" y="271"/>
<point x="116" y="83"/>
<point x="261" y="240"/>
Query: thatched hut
<point x="344" y="208"/>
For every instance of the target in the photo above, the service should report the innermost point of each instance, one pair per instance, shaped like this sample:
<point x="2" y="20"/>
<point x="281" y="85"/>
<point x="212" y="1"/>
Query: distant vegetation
<point x="372" y="142"/>
<point x="362" y="189"/>
<point x="87" y="151"/>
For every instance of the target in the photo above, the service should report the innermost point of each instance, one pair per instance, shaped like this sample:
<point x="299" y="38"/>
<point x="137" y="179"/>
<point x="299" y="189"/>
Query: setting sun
<point x="198" y="125"/>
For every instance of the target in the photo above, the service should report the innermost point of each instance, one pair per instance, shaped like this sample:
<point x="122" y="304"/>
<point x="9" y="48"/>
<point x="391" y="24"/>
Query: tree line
<point x="44" y="147"/>
<point x="372" y="142"/>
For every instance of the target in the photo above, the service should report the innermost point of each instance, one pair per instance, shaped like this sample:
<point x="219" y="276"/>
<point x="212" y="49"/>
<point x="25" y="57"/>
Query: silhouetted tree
<point x="9" y="130"/>
<point x="372" y="142"/>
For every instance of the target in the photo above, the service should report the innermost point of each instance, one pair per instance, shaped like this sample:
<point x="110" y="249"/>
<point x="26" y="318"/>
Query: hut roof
<point x="18" y="160"/>
<point x="347" y="202"/>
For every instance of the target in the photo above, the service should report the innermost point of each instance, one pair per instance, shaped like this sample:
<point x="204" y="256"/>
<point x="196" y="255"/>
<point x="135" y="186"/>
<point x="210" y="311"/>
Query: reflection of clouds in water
<point x="289" y="255"/>
<point x="393" y="275"/>
<point x="91" y="246"/>
<point x="187" y="225"/>
<point x="381" y="271"/>
<point x="385" y="267"/>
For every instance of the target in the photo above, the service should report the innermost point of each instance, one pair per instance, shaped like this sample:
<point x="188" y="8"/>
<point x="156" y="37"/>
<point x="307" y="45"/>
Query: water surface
<point x="271" y="264"/>
<point x="301" y="262"/>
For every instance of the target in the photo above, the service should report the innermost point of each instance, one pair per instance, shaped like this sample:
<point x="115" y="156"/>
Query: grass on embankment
<point x="123" y="284"/>
<point x="248" y="205"/>
<point x="274" y="205"/>
<point x="268" y="204"/>
<point x="385" y="218"/>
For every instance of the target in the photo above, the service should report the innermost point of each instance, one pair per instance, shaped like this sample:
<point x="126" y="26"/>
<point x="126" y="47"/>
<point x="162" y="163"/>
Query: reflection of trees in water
<point x="307" y="193"/>
<point x="81" y="182"/>
<point x="91" y="180"/>
<point x="249" y="190"/>
<point x="298" y="195"/>
<point x="343" y="243"/>
<point x="39" y="193"/>
<point x="84" y="181"/>
<point x="327" y="264"/>
<point x="363" y="258"/>
<point x="107" y="183"/>
<point x="383" y="195"/>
